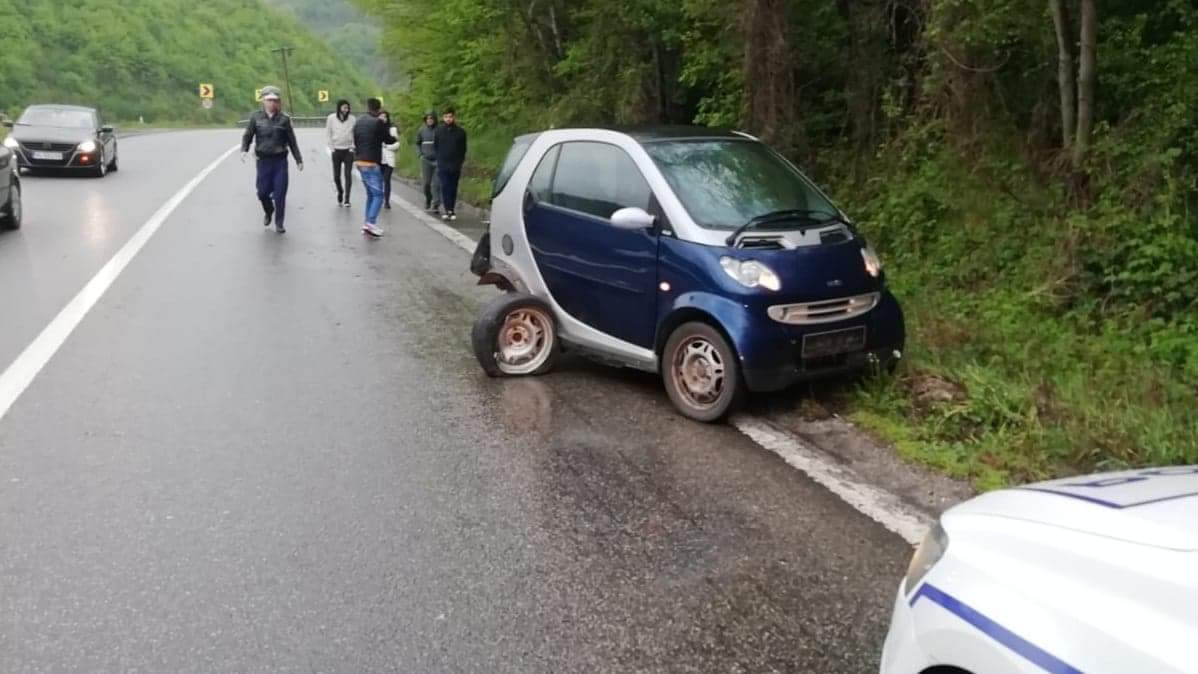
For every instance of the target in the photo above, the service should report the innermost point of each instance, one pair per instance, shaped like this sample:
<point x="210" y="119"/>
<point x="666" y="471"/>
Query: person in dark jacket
<point x="370" y="134"/>
<point x="449" y="145"/>
<point x="427" y="153"/>
<point x="272" y="134"/>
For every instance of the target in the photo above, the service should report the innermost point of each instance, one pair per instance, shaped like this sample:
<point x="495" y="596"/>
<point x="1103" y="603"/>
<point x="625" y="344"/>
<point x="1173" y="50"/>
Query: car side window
<point x="541" y="183"/>
<point x="598" y="179"/>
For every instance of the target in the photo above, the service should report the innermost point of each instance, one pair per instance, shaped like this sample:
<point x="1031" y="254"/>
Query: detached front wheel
<point x="701" y="373"/>
<point x="515" y="335"/>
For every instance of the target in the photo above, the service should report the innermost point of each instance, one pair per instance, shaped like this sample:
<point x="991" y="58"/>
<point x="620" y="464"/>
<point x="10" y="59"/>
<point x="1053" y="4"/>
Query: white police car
<point x="1094" y="574"/>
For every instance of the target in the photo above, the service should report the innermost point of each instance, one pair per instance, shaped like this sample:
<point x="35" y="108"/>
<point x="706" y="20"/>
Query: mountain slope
<point x="146" y="58"/>
<point x="351" y="34"/>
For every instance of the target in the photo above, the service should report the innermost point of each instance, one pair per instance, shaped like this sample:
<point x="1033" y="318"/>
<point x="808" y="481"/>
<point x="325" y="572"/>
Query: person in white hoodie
<point x="339" y="129"/>
<point x="388" y="162"/>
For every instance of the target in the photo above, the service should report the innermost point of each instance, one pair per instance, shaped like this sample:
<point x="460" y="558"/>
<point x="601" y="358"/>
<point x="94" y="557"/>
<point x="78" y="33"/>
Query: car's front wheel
<point x="10" y="218"/>
<point x="101" y="168"/>
<point x="112" y="165"/>
<point x="515" y="335"/>
<point x="701" y="373"/>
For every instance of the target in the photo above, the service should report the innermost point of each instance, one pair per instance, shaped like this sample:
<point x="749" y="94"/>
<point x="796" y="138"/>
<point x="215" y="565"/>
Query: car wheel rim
<point x="525" y="341"/>
<point x="699" y="372"/>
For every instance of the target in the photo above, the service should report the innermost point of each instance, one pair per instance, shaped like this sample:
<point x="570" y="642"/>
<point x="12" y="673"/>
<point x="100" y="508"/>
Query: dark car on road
<point x="10" y="190"/>
<point x="63" y="137"/>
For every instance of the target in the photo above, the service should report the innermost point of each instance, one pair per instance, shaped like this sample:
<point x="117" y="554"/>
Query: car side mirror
<point x="106" y="129"/>
<point x="632" y="218"/>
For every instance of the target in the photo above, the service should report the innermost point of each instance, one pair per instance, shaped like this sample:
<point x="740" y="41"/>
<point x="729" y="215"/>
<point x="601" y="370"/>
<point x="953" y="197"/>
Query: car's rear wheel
<point x="515" y="335"/>
<point x="11" y="216"/>
<point x="701" y="373"/>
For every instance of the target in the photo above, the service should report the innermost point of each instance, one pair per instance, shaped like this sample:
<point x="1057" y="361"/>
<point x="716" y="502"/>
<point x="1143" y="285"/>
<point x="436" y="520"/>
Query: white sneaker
<point x="445" y="216"/>
<point x="372" y="230"/>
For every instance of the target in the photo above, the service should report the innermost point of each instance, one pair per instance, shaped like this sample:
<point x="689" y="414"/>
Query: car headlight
<point x="751" y="273"/>
<point x="87" y="146"/>
<point x="873" y="263"/>
<point x="11" y="143"/>
<point x="933" y="547"/>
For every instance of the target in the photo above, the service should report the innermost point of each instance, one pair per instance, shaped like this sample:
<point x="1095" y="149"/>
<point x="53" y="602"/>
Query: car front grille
<point x="47" y="147"/>
<point x="824" y="311"/>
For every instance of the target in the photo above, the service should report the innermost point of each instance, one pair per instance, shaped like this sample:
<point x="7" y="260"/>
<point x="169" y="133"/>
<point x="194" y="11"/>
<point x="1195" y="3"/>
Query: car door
<point x="7" y="159"/>
<point x="601" y="275"/>
<point x="107" y="138"/>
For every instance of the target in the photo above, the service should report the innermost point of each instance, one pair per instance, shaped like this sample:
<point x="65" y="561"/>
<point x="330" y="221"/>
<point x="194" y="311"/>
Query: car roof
<point x="55" y="106"/>
<point x="651" y="134"/>
<point x="658" y="133"/>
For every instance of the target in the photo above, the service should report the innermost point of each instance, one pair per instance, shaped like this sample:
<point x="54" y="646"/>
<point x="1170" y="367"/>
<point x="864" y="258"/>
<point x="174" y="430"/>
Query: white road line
<point x="877" y="504"/>
<point x="461" y="240"/>
<point x="22" y="371"/>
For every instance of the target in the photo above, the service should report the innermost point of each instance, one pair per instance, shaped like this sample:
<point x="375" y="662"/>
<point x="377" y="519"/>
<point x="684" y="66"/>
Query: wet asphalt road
<point x="266" y="453"/>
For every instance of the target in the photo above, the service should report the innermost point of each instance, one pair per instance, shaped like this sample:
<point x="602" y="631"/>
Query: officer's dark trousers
<point x="272" y="186"/>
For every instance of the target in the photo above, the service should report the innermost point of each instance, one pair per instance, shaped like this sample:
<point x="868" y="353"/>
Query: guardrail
<point x="309" y="122"/>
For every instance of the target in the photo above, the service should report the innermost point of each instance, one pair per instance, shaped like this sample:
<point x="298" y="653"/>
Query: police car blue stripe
<point x="1109" y="504"/>
<point x="1024" y="648"/>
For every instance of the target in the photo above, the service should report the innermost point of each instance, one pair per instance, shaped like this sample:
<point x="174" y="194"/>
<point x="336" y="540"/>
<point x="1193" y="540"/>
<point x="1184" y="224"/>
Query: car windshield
<point x="57" y="117"/>
<point x="514" y="155"/>
<point x="725" y="183"/>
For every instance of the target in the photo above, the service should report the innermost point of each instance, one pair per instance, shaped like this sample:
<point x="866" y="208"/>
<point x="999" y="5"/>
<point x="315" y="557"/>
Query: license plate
<point x="833" y="343"/>
<point x="48" y="156"/>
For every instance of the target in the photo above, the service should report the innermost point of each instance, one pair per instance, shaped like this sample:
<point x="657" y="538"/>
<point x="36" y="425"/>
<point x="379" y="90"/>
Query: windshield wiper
<point x="805" y="214"/>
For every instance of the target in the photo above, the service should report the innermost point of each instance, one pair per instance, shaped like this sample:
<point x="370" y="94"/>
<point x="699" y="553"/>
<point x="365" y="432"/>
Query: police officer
<point x="272" y="134"/>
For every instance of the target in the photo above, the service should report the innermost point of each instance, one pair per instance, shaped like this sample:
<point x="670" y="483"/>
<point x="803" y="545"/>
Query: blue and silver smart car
<point x="700" y="254"/>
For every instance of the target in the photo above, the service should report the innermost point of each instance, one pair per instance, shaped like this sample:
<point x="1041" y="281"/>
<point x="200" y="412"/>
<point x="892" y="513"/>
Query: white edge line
<point x="461" y="240"/>
<point x="21" y="373"/>
<point x="877" y="504"/>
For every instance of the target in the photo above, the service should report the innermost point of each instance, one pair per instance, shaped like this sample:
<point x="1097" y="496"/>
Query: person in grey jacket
<point x="426" y="150"/>
<point x="339" y="131"/>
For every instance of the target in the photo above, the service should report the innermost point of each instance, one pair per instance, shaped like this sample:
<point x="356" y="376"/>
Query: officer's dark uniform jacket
<point x="272" y="137"/>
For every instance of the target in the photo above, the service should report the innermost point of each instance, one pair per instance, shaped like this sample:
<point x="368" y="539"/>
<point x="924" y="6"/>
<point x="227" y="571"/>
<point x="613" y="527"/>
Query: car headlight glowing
<point x="751" y="273"/>
<point x="933" y="547"/>
<point x="87" y="146"/>
<point x="873" y="263"/>
<point x="11" y="143"/>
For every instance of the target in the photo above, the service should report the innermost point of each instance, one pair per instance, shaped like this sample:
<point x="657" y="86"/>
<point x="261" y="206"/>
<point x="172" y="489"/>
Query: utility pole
<point x="285" y="50"/>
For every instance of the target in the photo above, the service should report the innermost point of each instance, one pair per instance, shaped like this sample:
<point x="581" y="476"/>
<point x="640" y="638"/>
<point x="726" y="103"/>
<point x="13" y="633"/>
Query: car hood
<point x="1156" y="507"/>
<point x="813" y="273"/>
<point x="51" y="134"/>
